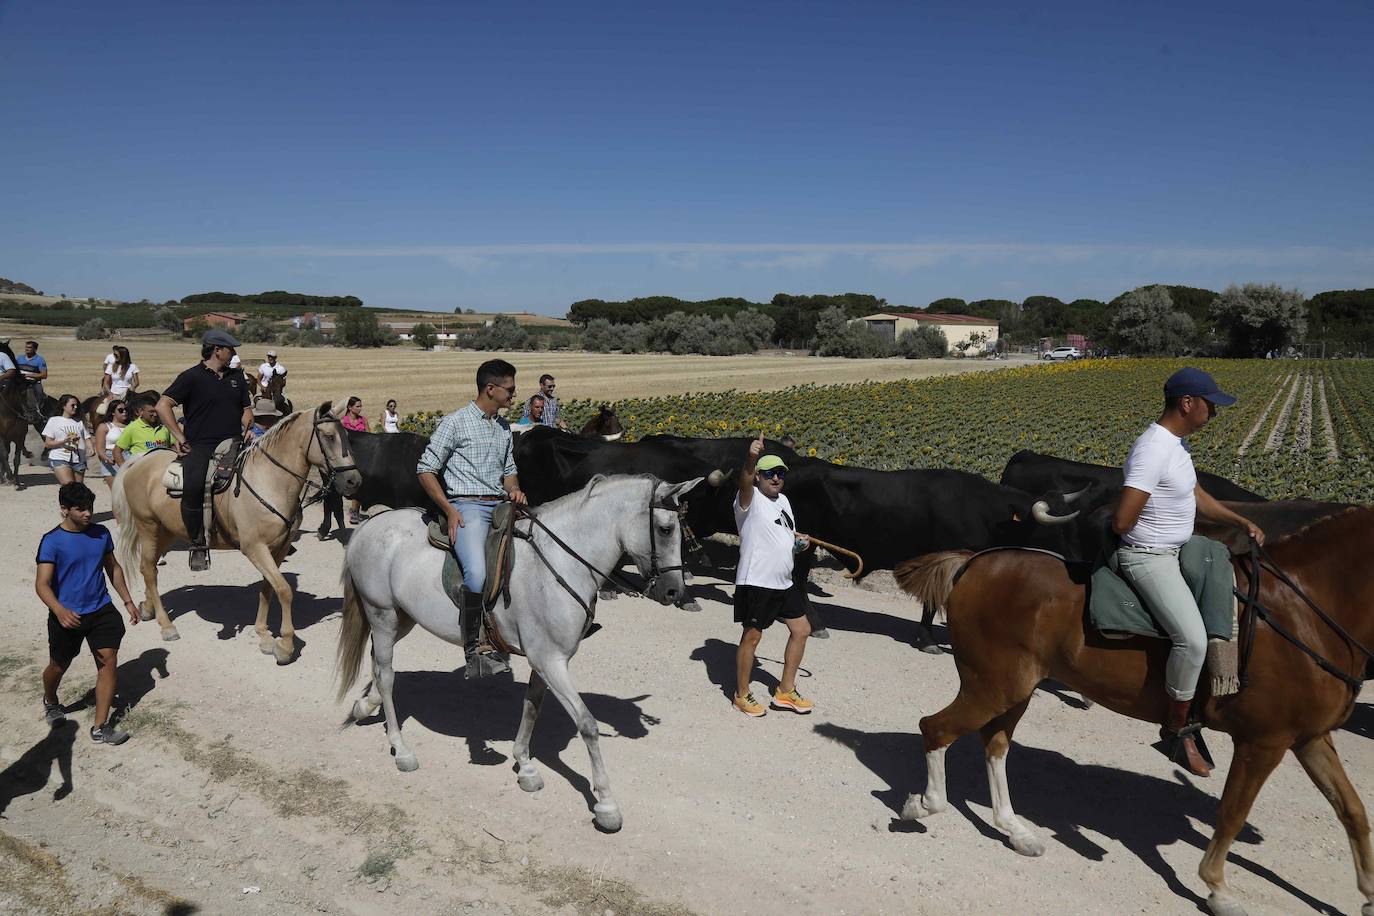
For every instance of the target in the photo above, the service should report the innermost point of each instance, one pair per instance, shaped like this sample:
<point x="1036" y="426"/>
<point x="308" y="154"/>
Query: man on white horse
<point x="216" y="403"/>
<point x="467" y="468"/>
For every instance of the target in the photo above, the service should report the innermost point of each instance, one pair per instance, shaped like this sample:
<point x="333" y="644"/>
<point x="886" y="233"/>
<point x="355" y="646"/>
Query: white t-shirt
<point x="391" y="422"/>
<point x="112" y="434"/>
<point x="109" y="361"/>
<point x="61" y="428"/>
<point x="234" y="361"/>
<point x="5" y="363"/>
<point x="767" y="532"/>
<point x="266" y="371"/>
<point x="1160" y="465"/>
<point x="119" y="382"/>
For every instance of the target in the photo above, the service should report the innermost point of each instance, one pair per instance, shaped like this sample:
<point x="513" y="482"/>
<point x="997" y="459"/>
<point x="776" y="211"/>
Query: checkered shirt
<point x="470" y="453"/>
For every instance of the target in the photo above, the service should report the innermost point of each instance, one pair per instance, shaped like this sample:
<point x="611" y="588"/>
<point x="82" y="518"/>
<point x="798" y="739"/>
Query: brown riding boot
<point x="1182" y="742"/>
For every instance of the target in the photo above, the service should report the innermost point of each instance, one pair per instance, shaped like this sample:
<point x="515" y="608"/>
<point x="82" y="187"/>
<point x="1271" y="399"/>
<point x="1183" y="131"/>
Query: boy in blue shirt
<point x="73" y="560"/>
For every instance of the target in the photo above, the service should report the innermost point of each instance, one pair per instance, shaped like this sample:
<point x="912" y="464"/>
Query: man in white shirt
<point x="268" y="369"/>
<point x="763" y="579"/>
<point x="1155" y="516"/>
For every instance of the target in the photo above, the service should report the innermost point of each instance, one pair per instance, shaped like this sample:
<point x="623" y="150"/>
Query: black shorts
<point x="102" y="629"/>
<point x="758" y="607"/>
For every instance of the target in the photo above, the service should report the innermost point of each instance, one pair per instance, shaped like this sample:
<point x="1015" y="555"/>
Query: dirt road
<point x="240" y="792"/>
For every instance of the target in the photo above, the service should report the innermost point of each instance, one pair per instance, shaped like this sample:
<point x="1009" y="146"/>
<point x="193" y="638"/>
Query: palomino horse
<point x="258" y="515"/>
<point x="1017" y="617"/>
<point x="392" y="581"/>
<point x="19" y="409"/>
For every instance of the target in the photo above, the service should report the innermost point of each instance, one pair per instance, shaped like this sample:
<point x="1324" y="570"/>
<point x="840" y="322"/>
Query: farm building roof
<point x="937" y="317"/>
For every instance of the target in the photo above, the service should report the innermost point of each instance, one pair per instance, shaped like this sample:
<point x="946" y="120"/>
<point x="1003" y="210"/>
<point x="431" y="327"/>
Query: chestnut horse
<point x="1016" y="617"/>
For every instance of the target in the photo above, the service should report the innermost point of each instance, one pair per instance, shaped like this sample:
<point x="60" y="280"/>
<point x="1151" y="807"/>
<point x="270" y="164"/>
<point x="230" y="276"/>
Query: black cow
<point x="884" y="516"/>
<point x="1037" y="473"/>
<point x="386" y="462"/>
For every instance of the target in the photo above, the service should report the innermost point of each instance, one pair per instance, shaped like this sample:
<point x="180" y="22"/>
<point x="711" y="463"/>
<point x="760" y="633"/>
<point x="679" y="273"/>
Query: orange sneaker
<point x="749" y="706"/>
<point x="793" y="701"/>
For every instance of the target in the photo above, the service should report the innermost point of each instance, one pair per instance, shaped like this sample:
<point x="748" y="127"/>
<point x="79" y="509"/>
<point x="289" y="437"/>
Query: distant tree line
<point x="794" y="317"/>
<point x="14" y="286"/>
<point x="273" y="297"/>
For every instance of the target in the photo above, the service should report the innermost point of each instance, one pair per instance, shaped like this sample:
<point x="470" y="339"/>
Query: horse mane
<point x="275" y="432"/>
<point x="1322" y="522"/>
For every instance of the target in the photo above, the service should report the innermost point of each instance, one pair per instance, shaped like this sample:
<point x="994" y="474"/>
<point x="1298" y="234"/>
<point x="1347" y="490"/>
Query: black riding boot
<point x="482" y="657"/>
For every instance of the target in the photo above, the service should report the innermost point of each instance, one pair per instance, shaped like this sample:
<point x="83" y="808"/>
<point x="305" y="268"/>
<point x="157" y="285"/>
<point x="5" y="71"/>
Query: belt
<point x="483" y="497"/>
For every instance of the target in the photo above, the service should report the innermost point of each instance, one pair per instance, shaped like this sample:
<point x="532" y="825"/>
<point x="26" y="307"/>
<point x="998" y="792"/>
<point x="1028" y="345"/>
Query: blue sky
<point x="524" y="156"/>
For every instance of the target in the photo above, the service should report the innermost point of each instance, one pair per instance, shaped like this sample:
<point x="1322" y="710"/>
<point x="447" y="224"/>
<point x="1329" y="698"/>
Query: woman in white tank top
<point x="391" y="420"/>
<point x="107" y="434"/>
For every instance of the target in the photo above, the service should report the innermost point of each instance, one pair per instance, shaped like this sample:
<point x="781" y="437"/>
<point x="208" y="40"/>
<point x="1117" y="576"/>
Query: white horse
<point x="392" y="581"/>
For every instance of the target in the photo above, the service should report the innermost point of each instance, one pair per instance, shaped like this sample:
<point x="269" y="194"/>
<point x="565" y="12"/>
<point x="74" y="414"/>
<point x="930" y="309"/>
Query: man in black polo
<point x="217" y="406"/>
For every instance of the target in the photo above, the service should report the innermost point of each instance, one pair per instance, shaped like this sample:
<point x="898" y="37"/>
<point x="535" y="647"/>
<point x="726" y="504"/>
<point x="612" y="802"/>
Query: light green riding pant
<point x="1155" y="575"/>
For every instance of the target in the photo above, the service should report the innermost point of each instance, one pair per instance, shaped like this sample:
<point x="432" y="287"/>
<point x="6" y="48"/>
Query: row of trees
<point x="794" y="317"/>
<point x="681" y="332"/>
<point x="273" y="297"/>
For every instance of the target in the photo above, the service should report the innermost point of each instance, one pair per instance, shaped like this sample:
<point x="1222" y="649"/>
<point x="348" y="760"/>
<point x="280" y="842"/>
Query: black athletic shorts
<point x="102" y="629"/>
<point x="758" y="607"/>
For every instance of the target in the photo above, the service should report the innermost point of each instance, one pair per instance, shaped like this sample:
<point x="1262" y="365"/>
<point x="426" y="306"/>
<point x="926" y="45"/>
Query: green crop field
<point x="1302" y="429"/>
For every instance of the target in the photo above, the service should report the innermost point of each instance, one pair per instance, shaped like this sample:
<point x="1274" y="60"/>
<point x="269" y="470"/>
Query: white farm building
<point x="957" y="328"/>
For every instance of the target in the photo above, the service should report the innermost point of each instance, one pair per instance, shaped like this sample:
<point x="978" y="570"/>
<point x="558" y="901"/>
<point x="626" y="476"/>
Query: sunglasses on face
<point x="774" y="474"/>
<point x="510" y="390"/>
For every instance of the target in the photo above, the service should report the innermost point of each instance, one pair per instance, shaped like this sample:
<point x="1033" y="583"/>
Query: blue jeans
<point x="1155" y="575"/>
<point x="470" y="546"/>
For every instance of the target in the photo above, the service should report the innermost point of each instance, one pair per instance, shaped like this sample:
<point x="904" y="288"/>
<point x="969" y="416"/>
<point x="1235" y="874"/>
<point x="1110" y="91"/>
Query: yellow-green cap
<point x="768" y="462"/>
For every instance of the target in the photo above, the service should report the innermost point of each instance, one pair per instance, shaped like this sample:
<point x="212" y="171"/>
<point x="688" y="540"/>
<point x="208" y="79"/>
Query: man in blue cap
<point x="1155" y="516"/>
<point x="216" y="403"/>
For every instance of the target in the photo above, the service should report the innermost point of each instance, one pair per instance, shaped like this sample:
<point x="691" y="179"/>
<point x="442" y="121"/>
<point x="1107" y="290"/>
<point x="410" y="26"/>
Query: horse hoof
<point x="608" y="816"/>
<point x="1228" y="906"/>
<point x="145" y="612"/>
<point x="917" y="807"/>
<point x="407" y="763"/>
<point x="266" y="645"/>
<point x="932" y="649"/>
<point x="1028" y="844"/>
<point x="170" y="635"/>
<point x="530" y="782"/>
<point x="608" y="594"/>
<point x="284" y="655"/>
<point x="361" y="711"/>
<point x="691" y="605"/>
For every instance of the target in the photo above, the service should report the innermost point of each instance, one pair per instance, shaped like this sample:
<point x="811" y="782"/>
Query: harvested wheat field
<point x="436" y="380"/>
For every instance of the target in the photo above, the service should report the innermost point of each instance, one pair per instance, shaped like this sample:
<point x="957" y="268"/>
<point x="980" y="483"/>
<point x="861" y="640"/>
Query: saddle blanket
<point x="1115" y="609"/>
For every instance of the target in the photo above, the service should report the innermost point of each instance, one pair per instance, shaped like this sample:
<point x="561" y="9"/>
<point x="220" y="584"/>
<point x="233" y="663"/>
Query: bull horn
<point x="1041" y="512"/>
<point x="716" y="477"/>
<point x="1071" y="498"/>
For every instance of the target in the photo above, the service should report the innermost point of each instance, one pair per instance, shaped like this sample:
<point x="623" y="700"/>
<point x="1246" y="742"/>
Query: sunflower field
<point x="1301" y="429"/>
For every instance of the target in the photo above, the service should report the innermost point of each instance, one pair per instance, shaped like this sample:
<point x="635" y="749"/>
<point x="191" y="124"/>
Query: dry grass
<point x="442" y="380"/>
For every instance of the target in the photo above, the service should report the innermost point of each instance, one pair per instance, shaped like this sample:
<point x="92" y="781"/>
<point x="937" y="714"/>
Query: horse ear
<point x="591" y="484"/>
<point x="327" y="409"/>
<point x="676" y="491"/>
<point x="336" y="409"/>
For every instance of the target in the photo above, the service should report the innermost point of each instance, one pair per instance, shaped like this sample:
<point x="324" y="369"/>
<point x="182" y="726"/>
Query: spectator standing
<point x="65" y="438"/>
<point x="144" y="432"/>
<point x="354" y="421"/>
<point x="391" y="420"/>
<point x="107" y="437"/>
<point x="549" y="416"/>
<point x="763" y="578"/>
<point x="73" y="561"/>
<point x="121" y="377"/>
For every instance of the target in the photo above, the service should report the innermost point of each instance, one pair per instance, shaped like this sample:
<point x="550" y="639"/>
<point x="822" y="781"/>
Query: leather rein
<point x="331" y="471"/>
<point x="1258" y="560"/>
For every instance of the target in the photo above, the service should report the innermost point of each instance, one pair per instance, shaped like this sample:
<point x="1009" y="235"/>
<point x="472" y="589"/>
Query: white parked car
<point x="1062" y="353"/>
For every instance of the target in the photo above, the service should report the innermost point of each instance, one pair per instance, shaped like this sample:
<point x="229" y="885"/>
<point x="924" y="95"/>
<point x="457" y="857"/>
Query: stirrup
<point x="199" y="560"/>
<point x="1171" y="744"/>
<point x="483" y="661"/>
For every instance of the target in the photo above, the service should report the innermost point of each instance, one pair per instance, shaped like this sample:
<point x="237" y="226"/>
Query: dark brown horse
<point x="19" y="409"/>
<point x="605" y="425"/>
<point x="1016" y="617"/>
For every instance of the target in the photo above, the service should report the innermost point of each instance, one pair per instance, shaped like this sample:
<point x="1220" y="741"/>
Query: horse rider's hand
<point x="756" y="448"/>
<point x="1254" y="531"/>
<point x="133" y="612"/>
<point x="518" y="497"/>
<point x="248" y="435"/>
<point x="455" y="521"/>
<point x="67" y="618"/>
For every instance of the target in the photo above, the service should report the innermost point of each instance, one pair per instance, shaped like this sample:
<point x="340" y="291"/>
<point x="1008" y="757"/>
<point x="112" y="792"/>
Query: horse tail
<point x="126" y="542"/>
<point x="930" y="578"/>
<point x="352" y="637"/>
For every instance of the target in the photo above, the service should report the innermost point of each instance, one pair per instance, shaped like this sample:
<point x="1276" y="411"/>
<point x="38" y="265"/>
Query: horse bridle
<point x="31" y="417"/>
<point x="1259" y="560"/>
<point x="331" y="470"/>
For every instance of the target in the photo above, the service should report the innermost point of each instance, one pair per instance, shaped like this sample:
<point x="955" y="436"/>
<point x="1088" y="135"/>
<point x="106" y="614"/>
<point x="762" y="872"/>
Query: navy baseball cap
<point x="1195" y="382"/>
